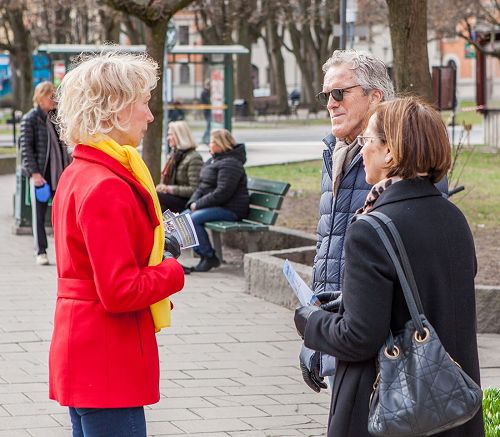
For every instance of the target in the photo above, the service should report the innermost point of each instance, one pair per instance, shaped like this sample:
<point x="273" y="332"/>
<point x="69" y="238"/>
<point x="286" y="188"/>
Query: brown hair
<point x="416" y="137"/>
<point x="223" y="139"/>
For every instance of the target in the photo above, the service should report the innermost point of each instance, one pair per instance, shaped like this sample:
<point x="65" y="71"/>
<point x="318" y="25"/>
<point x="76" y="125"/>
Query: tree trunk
<point x="408" y="27"/>
<point x="20" y="61"/>
<point x="277" y="65"/>
<point x="303" y="62"/>
<point x="151" y="152"/>
<point x="244" y="86"/>
<point x="110" y="22"/>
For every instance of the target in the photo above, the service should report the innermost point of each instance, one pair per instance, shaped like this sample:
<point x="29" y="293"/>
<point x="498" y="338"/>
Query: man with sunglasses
<point x="354" y="84"/>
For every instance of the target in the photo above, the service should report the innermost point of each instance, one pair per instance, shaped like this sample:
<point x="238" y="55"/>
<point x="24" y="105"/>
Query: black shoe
<point x="187" y="270"/>
<point x="207" y="264"/>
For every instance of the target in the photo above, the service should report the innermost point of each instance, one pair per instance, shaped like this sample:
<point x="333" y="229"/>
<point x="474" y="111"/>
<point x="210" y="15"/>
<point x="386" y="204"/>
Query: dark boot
<point x="207" y="263"/>
<point x="187" y="270"/>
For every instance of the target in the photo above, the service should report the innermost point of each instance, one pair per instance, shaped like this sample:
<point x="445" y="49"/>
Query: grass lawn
<point x="479" y="172"/>
<point x="304" y="177"/>
<point x="7" y="150"/>
<point x="463" y="115"/>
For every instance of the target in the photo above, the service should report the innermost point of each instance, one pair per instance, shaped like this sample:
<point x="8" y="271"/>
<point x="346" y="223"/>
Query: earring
<point x="388" y="158"/>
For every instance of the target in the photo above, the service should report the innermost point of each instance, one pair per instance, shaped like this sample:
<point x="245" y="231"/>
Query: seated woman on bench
<point x="181" y="174"/>
<point x="222" y="193"/>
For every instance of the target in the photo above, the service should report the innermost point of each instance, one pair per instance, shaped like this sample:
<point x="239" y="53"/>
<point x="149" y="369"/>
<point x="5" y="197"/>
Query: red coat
<point x="103" y="352"/>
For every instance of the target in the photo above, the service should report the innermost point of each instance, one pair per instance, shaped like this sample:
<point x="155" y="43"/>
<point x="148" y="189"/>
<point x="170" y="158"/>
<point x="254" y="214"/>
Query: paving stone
<point x="169" y="414"/>
<point x="256" y="400"/>
<point x="52" y="432"/>
<point x="229" y="366"/>
<point x="25" y="422"/>
<point x="228" y="412"/>
<point x="212" y="425"/>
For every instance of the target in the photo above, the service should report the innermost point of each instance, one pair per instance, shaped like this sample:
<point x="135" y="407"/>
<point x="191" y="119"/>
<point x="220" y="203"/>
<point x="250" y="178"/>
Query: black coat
<point x="441" y="252"/>
<point x="34" y="142"/>
<point x="223" y="182"/>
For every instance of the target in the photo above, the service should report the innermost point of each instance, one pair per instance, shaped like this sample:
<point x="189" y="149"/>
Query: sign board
<point x="59" y="72"/>
<point x="217" y="96"/>
<point x="444" y="86"/>
<point x="469" y="51"/>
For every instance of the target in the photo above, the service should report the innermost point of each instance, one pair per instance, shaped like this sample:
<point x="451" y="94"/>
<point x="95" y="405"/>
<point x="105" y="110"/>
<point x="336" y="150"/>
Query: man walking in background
<point x="207" y="113"/>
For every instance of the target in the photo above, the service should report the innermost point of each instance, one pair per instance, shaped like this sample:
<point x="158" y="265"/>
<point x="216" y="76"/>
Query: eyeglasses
<point x="337" y="95"/>
<point x="363" y="140"/>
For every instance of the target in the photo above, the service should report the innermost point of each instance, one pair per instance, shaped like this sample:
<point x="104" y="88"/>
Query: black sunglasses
<point x="337" y="95"/>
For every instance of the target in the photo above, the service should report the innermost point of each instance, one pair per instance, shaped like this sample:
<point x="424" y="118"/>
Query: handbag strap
<point x="407" y="292"/>
<point x="403" y="255"/>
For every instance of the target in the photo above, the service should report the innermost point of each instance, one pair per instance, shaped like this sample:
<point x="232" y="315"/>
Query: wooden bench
<point x="266" y="198"/>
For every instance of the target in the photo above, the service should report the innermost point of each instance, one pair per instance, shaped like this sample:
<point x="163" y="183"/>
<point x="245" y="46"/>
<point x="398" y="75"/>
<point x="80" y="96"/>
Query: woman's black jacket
<point x="223" y="182"/>
<point x="34" y="142"/>
<point x="441" y="252"/>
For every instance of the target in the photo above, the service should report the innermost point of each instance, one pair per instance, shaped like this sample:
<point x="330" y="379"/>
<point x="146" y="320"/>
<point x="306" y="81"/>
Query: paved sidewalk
<point x="229" y="363"/>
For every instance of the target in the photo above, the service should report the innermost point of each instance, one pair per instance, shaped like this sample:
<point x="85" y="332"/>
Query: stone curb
<point x="264" y="278"/>
<point x="7" y="164"/>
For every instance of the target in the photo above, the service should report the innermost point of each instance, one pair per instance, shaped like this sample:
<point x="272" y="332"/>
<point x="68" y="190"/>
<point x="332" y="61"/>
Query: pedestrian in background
<point x="205" y="99"/>
<point x="44" y="158"/>
<point x="181" y="174"/>
<point x="109" y="241"/>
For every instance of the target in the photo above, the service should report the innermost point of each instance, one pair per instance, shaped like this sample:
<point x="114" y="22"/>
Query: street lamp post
<point x="170" y="41"/>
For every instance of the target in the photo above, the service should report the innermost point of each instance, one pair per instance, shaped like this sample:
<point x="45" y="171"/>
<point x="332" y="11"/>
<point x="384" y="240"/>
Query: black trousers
<point x="171" y="202"/>
<point x="38" y="212"/>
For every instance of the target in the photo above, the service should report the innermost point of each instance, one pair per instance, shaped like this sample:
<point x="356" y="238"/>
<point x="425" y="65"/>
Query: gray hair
<point x="371" y="72"/>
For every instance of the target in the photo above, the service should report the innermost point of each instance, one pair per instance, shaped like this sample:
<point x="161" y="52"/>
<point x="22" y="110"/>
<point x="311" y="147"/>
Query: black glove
<point x="171" y="249"/>
<point x="330" y="300"/>
<point x="301" y="316"/>
<point x="311" y="377"/>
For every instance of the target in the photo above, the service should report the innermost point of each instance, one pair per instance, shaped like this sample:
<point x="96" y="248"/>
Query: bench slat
<point x="267" y="186"/>
<point x="224" y="226"/>
<point x="266" y="217"/>
<point x="270" y="201"/>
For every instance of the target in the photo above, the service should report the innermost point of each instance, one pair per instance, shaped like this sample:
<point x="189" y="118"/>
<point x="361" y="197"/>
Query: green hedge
<point x="491" y="411"/>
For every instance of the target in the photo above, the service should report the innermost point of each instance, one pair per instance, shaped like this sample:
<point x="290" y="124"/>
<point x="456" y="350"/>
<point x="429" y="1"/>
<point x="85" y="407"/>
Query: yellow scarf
<point x="132" y="161"/>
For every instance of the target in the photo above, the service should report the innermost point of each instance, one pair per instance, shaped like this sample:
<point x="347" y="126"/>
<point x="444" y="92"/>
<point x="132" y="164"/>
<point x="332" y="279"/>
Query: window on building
<point x="184" y="74"/>
<point x="183" y="35"/>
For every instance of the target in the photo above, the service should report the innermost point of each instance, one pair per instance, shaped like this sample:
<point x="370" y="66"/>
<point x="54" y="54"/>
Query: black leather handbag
<point x="419" y="390"/>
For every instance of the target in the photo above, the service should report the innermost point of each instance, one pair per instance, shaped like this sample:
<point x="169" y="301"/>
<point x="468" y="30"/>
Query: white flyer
<point x="299" y="287"/>
<point x="181" y="227"/>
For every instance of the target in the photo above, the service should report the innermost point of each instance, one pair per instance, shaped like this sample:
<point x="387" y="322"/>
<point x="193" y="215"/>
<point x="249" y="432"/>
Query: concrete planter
<point x="7" y="164"/>
<point x="488" y="309"/>
<point x="264" y="278"/>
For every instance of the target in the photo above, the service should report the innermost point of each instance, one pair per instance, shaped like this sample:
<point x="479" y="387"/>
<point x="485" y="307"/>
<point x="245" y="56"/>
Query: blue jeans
<point x="108" y="422"/>
<point x="200" y="217"/>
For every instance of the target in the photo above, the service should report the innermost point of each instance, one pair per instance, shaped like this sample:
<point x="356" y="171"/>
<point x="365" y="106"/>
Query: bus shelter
<point x="218" y="59"/>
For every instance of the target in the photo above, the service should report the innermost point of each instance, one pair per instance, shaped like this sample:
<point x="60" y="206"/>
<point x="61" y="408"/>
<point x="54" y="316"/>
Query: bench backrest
<point x="266" y="197"/>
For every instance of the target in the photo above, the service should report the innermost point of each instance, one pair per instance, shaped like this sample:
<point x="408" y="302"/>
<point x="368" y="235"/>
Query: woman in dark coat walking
<point x="405" y="151"/>
<point x="222" y="193"/>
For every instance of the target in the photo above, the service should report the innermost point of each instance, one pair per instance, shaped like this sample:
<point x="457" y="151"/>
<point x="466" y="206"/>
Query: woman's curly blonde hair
<point x="94" y="92"/>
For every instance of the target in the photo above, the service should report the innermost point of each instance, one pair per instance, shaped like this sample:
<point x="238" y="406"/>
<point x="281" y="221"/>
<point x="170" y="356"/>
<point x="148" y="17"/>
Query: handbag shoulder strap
<point x="403" y="255"/>
<point x="408" y="294"/>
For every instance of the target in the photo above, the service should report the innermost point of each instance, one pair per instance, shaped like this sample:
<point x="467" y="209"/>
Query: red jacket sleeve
<point x="108" y="221"/>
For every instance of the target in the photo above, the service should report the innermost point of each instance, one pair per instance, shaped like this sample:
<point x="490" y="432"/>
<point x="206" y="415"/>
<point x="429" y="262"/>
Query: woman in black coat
<point x="405" y="151"/>
<point x="222" y="193"/>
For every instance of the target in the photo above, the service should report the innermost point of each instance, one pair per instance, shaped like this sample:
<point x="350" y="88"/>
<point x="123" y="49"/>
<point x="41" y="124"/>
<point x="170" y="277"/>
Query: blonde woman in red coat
<point x="112" y="285"/>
